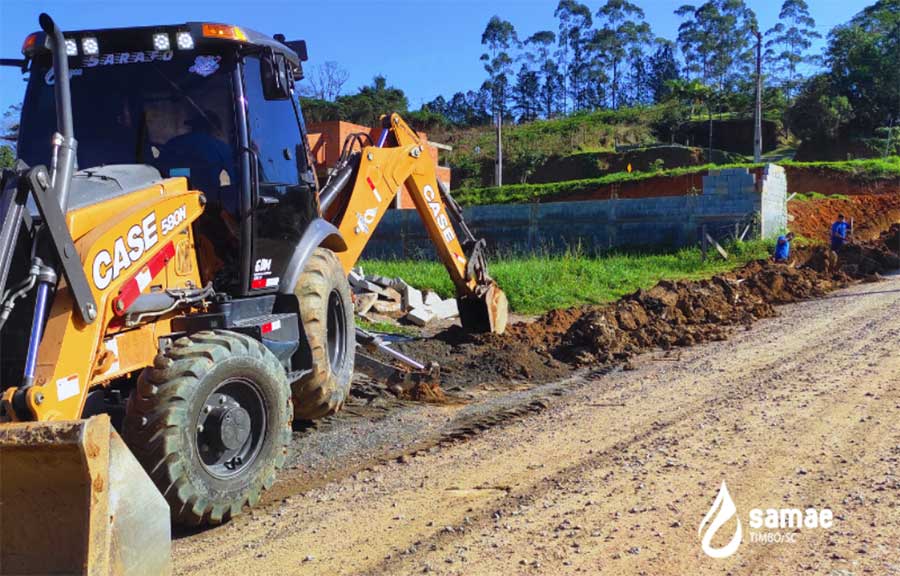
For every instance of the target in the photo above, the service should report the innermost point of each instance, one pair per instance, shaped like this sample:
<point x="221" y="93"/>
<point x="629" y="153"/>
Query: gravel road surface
<point x="608" y="473"/>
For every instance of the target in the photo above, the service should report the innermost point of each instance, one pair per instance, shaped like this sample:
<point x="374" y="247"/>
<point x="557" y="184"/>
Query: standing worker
<point x="783" y="247"/>
<point x="839" y="232"/>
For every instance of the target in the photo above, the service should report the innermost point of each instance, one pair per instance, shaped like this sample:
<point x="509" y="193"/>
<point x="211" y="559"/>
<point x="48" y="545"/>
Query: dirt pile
<point x="686" y="312"/>
<point x="468" y="360"/>
<point x="670" y="314"/>
<point x="890" y="239"/>
<point x="871" y="214"/>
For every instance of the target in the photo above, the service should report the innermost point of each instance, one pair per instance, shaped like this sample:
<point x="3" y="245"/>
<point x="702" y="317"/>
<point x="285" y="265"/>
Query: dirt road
<point x="611" y="473"/>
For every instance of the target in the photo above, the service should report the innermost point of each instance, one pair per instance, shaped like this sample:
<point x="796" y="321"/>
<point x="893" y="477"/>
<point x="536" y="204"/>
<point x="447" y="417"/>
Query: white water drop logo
<point x="726" y="510"/>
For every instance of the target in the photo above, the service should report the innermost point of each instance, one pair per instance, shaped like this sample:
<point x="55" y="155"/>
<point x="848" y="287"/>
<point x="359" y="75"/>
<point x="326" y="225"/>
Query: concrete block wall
<point x="767" y="188"/>
<point x="773" y="201"/>
<point x="731" y="199"/>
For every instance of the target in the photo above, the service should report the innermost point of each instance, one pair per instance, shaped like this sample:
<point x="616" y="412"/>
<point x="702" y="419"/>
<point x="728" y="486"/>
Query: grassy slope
<point x="539" y="283"/>
<point x="519" y="193"/>
<point x="527" y="145"/>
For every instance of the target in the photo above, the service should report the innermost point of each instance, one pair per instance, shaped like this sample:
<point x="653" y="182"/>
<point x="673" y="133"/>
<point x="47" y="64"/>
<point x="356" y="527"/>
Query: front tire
<point x="210" y="421"/>
<point x="326" y="311"/>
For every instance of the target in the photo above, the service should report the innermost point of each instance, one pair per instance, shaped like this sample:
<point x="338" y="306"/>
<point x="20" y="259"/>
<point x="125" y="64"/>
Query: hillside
<point x="589" y="145"/>
<point x="527" y="147"/>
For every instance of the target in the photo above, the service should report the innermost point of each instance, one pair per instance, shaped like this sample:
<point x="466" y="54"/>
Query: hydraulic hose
<point x="61" y="177"/>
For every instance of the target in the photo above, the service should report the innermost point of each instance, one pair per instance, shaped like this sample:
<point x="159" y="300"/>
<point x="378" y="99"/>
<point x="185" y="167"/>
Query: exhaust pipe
<point x="64" y="143"/>
<point x="62" y="168"/>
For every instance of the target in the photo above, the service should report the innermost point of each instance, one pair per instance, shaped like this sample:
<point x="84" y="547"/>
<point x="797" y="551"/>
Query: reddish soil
<point x="871" y="214"/>
<point x="813" y="179"/>
<point x="671" y="314"/>
<point x="800" y="179"/>
<point x="647" y="188"/>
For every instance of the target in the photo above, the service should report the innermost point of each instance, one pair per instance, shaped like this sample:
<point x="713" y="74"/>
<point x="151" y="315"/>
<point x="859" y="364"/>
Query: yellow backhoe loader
<point x="178" y="276"/>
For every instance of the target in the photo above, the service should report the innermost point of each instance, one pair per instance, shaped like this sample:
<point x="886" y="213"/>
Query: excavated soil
<point x="871" y="214"/>
<point x="668" y="315"/>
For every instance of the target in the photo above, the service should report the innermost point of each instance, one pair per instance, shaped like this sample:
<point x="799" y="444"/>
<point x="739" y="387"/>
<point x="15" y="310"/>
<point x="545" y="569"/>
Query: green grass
<point x="522" y="193"/>
<point x="866" y="169"/>
<point x="535" y="284"/>
<point x="801" y="197"/>
<point x="870" y="169"/>
<point x="384" y="327"/>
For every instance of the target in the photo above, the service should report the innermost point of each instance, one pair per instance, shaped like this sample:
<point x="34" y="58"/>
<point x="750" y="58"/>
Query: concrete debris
<point x="355" y="277"/>
<point x="412" y="298"/>
<point x="393" y="295"/>
<point x="432" y="298"/>
<point x="386" y="307"/>
<point x="380" y="280"/>
<point x="420" y="316"/>
<point x="445" y="309"/>
<point x="365" y="301"/>
<point x="395" y="298"/>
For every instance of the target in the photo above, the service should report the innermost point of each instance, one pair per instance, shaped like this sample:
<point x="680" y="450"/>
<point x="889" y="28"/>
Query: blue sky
<point x="425" y="47"/>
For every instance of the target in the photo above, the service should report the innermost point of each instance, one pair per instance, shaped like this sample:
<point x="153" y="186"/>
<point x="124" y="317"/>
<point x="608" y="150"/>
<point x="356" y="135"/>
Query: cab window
<point x="274" y="133"/>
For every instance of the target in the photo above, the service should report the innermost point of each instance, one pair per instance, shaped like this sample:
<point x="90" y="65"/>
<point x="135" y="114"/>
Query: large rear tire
<point x="210" y="421"/>
<point x="326" y="310"/>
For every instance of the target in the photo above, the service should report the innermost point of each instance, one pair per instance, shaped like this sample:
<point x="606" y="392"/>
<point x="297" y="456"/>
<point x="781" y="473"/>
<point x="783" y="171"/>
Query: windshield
<point x="172" y="110"/>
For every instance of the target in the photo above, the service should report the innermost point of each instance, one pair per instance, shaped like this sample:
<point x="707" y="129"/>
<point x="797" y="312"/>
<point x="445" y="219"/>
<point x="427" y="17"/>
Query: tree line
<point x="610" y="58"/>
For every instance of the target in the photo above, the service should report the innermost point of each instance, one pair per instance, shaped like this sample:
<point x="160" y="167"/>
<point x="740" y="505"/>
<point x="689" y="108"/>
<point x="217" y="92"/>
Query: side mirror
<point x="298" y="46"/>
<point x="275" y="78"/>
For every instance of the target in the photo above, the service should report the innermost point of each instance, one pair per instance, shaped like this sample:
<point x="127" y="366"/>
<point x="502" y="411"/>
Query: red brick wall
<point x="327" y="138"/>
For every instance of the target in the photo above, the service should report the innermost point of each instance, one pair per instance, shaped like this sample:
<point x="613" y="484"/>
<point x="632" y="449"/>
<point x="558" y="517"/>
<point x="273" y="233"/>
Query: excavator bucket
<point x="487" y="312"/>
<point x="73" y="500"/>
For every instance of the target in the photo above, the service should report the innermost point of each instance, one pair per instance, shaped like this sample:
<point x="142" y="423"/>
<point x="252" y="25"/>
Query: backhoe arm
<point x="381" y="173"/>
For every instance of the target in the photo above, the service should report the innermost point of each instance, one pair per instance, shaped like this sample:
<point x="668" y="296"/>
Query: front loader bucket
<point x="486" y="313"/>
<point x="74" y="500"/>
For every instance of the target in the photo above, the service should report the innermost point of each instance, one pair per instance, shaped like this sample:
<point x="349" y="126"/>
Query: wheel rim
<point x="336" y="331"/>
<point x="231" y="427"/>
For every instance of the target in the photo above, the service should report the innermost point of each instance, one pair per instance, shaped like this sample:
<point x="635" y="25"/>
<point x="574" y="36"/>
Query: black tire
<point x="184" y="423"/>
<point x="326" y="310"/>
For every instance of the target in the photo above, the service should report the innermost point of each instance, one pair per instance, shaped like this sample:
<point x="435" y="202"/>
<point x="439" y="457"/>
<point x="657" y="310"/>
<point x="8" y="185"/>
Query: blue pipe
<point x="383" y="138"/>
<point x="37" y="331"/>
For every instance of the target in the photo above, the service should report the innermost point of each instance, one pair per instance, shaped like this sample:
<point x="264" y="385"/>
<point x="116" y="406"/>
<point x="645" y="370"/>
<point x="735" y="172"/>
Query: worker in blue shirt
<point x="783" y="247"/>
<point x="839" y="232"/>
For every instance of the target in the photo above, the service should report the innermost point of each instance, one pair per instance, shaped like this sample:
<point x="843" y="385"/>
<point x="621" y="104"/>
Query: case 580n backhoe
<point x="187" y="286"/>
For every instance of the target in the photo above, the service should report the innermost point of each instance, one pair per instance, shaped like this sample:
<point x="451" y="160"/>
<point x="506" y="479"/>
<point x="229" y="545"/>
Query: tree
<point x="458" y="110"/>
<point x="367" y="106"/>
<point x="663" y="67"/>
<point x="817" y="113"/>
<point x="438" y="105"/>
<point x="551" y="89"/>
<point x="574" y="35"/>
<point x="639" y="81"/>
<point x="694" y="93"/>
<point x="7" y="156"/>
<point x="863" y="58"/>
<point x="525" y="94"/>
<point x="717" y="41"/>
<point x="499" y="36"/>
<point x="788" y="41"/>
<point x="697" y="41"/>
<point x="9" y="126"/>
<point x="622" y="37"/>
<point x="325" y="82"/>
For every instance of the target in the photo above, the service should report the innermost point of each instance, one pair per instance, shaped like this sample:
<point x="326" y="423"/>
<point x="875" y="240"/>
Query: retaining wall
<point x="731" y="200"/>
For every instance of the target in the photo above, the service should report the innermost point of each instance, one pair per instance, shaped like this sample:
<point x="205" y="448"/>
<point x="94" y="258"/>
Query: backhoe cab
<point x="177" y="272"/>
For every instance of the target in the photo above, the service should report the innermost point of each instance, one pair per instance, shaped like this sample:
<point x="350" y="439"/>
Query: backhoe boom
<point x="381" y="173"/>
